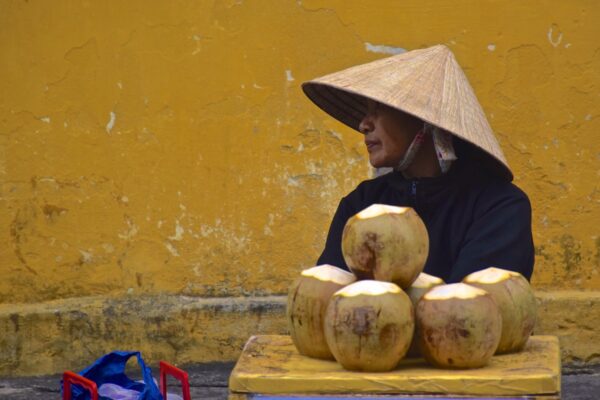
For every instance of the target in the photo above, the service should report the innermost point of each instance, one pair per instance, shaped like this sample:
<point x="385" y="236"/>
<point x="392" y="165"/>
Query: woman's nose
<point x="366" y="125"/>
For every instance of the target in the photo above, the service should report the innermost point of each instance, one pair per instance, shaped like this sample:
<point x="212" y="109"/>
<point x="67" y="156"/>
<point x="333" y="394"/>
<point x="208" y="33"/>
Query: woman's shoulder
<point x="495" y="193"/>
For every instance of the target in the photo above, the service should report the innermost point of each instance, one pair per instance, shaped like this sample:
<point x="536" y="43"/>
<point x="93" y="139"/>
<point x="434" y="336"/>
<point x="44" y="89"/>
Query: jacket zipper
<point x="413" y="192"/>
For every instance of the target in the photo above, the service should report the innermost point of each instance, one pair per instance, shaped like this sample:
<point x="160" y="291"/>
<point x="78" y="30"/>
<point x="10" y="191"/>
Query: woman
<point x="420" y="116"/>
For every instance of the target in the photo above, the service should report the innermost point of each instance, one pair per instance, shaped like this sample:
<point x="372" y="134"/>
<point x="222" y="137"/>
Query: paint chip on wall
<point x="379" y="48"/>
<point x="288" y="75"/>
<point x="111" y="122"/>
<point x="552" y="38"/>
<point x="491" y="47"/>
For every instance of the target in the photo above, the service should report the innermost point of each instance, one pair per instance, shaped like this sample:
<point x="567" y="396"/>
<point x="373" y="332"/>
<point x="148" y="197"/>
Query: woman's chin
<point x="379" y="163"/>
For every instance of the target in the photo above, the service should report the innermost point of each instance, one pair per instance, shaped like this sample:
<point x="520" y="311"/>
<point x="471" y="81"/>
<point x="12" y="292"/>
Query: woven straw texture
<point x="427" y="83"/>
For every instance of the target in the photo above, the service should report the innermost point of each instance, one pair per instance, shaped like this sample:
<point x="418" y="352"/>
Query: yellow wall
<point x="165" y="146"/>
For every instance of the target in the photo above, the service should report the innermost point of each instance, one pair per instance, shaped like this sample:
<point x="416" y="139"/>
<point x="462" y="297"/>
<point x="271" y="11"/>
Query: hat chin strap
<point x="442" y="141"/>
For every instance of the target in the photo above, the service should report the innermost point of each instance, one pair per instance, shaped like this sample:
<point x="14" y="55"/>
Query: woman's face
<point x="388" y="133"/>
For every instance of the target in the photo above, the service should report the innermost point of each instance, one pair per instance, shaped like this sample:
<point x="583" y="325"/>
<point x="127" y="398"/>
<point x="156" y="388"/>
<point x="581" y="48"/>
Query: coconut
<point x="458" y="326"/>
<point x="419" y="287"/>
<point x="369" y="325"/>
<point x="514" y="296"/>
<point x="386" y="243"/>
<point x="307" y="301"/>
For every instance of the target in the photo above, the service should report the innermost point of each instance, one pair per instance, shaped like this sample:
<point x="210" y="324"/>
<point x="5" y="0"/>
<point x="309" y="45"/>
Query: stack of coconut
<point x="386" y="309"/>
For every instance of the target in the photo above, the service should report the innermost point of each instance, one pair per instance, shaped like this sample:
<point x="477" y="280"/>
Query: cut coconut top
<point x="369" y="288"/>
<point x="376" y="210"/>
<point x="490" y="275"/>
<point x="454" y="291"/>
<point x="425" y="280"/>
<point x="329" y="273"/>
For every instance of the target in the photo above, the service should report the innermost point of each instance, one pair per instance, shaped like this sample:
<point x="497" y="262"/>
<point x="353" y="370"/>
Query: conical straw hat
<point x="426" y="83"/>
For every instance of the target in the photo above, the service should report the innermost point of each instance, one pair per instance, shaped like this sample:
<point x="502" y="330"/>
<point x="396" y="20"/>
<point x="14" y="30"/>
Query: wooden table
<point x="270" y="368"/>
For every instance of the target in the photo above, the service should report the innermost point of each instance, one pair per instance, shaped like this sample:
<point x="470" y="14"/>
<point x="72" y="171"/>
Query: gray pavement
<point x="209" y="382"/>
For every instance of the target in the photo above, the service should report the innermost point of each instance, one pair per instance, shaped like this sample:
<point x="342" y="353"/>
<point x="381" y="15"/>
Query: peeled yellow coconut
<point x="419" y="287"/>
<point x="386" y="243"/>
<point x="422" y="285"/>
<point x="369" y="325"/>
<point x="307" y="301"/>
<point x="514" y="296"/>
<point x="458" y="326"/>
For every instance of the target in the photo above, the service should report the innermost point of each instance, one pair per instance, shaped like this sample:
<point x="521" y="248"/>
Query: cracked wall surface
<point x="167" y="148"/>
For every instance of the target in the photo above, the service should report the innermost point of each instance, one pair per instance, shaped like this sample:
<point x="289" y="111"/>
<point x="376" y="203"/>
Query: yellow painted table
<point x="270" y="367"/>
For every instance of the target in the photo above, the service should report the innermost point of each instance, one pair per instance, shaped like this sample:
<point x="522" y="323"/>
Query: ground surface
<point x="209" y="382"/>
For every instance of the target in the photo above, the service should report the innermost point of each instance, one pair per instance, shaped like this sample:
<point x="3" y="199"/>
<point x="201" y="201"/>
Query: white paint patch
<point x="288" y="75"/>
<point x="293" y="182"/>
<point x="125" y="199"/>
<point x="491" y="47"/>
<point x="267" y="229"/>
<point x="119" y="85"/>
<point x="379" y="48"/>
<point x="159" y="224"/>
<point x="179" y="231"/>
<point x="172" y="249"/>
<point x="567" y="45"/>
<point x="132" y="230"/>
<point x="197" y="268"/>
<point x="197" y="38"/>
<point x="554" y="42"/>
<point x="257" y="86"/>
<point x="111" y="122"/>
<point x="336" y="135"/>
<point x="45" y="119"/>
<point x="86" y="256"/>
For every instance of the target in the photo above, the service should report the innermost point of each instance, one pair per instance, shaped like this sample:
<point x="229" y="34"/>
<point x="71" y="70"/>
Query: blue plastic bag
<point x="110" y="368"/>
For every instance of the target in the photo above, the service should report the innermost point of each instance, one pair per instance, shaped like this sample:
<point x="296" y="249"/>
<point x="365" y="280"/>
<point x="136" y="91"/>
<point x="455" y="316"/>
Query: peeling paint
<point x="288" y="75"/>
<point x="379" y="48"/>
<point x="172" y="249"/>
<point x="491" y="47"/>
<point x="130" y="232"/>
<point x="179" y="231"/>
<point x="553" y="38"/>
<point x="111" y="122"/>
<point x="86" y="256"/>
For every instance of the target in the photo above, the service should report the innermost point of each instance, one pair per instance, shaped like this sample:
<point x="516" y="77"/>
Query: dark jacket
<point x="474" y="220"/>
